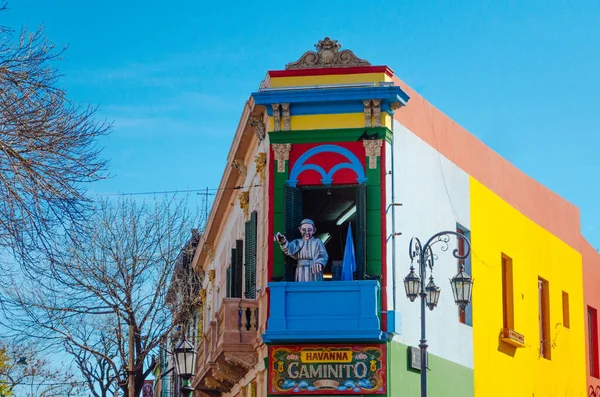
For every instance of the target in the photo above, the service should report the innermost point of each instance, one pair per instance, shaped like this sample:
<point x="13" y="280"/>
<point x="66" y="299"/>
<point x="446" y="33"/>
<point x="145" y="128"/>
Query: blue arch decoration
<point x="354" y="164"/>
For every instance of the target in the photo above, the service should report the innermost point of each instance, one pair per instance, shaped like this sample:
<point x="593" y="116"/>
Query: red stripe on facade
<point x="383" y="198"/>
<point x="331" y="71"/>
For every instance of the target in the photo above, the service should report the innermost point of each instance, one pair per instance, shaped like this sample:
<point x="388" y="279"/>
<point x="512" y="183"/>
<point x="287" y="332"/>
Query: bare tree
<point x="48" y="147"/>
<point x="26" y="372"/>
<point x="118" y="274"/>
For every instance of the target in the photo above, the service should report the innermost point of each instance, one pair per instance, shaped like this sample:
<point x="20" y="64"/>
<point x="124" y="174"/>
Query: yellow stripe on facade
<point x="502" y="369"/>
<point x="330" y="121"/>
<point x="376" y="78"/>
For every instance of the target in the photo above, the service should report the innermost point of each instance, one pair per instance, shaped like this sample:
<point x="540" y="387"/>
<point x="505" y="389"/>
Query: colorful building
<point x="349" y="145"/>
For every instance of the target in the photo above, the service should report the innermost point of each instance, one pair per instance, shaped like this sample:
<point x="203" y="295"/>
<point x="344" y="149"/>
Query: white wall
<point x="428" y="206"/>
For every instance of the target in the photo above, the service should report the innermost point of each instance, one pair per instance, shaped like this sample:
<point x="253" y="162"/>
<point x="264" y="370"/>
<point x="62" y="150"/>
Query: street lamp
<point x="414" y="284"/>
<point x="185" y="360"/>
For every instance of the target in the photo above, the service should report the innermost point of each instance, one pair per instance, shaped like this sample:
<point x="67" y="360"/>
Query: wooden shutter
<point x="239" y="262"/>
<point x="293" y="217"/>
<point x="250" y="253"/>
<point x="233" y="274"/>
<point x="361" y="231"/>
<point x="228" y="281"/>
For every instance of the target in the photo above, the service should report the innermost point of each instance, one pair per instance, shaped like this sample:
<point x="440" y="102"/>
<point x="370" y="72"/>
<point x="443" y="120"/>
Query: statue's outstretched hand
<point x="280" y="238"/>
<point x="316" y="268"/>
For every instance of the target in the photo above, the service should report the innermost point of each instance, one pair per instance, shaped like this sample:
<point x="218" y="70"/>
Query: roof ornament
<point x="328" y="55"/>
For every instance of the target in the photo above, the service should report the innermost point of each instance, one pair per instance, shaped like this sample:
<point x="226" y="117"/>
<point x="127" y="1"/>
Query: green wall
<point x="444" y="377"/>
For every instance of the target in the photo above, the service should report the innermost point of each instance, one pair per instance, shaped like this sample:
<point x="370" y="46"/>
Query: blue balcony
<point x="335" y="311"/>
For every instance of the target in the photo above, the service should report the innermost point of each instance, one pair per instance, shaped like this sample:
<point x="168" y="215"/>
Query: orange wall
<point x="591" y="293"/>
<point x="528" y="196"/>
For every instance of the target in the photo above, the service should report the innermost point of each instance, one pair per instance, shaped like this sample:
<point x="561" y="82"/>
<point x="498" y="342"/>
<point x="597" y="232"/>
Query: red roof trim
<point x="330" y="71"/>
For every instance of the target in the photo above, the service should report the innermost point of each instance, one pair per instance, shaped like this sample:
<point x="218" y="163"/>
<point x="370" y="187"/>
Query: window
<point x="565" y="307"/>
<point x="544" y="318"/>
<point x="508" y="320"/>
<point x="250" y="256"/>
<point x="593" y="341"/>
<point x="465" y="316"/>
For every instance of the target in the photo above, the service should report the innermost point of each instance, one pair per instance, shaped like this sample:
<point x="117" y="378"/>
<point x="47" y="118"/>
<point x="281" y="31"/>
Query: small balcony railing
<point x="334" y="311"/>
<point x="226" y="352"/>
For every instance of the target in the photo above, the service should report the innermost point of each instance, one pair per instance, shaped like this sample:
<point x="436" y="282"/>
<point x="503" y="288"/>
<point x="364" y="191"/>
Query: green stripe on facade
<point x="329" y="135"/>
<point x="444" y="378"/>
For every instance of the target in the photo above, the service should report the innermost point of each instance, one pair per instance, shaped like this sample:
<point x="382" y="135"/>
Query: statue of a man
<point x="310" y="252"/>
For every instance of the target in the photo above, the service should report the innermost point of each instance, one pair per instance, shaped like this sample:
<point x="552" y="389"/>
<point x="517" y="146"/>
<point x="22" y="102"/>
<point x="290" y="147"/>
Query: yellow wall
<point x="500" y="369"/>
<point x="329" y="79"/>
<point x="326" y="121"/>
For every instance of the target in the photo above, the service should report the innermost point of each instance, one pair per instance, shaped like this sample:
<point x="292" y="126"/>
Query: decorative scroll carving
<point x="328" y="55"/>
<point x="210" y="250"/>
<point x="276" y="117"/>
<point x="244" y="198"/>
<point x="214" y="384"/>
<point x="203" y="295"/>
<point x="243" y="360"/>
<point x="367" y="111"/>
<point x="258" y="124"/>
<point x="373" y="150"/>
<point x="229" y="373"/>
<point x="285" y="107"/>
<point x="282" y="154"/>
<point x="261" y="165"/>
<point x="376" y="113"/>
<point x="239" y="165"/>
<point x="211" y="276"/>
<point x="395" y="105"/>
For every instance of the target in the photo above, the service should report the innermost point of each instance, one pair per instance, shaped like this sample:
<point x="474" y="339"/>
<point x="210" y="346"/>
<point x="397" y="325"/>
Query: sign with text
<point x="327" y="369"/>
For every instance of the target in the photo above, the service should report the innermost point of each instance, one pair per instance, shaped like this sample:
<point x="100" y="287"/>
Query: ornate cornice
<point x="328" y="55"/>
<point x="210" y="250"/>
<point x="261" y="165"/>
<point x="276" y="117"/>
<point x="239" y="165"/>
<point x="285" y="112"/>
<point x="244" y="198"/>
<point x="282" y="154"/>
<point x="257" y="122"/>
<point x="373" y="150"/>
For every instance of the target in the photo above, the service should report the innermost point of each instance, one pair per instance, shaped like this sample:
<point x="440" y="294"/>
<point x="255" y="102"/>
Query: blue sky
<point x="520" y="75"/>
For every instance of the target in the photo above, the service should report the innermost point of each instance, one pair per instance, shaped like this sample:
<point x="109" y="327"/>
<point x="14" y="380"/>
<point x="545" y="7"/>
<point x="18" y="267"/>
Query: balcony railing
<point x="334" y="311"/>
<point x="226" y="352"/>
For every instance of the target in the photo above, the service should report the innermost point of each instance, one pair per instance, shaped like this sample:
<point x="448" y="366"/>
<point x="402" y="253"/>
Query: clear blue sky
<point x="523" y="76"/>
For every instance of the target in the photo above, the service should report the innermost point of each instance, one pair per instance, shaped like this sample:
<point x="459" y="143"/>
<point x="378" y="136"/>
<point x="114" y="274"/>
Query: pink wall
<point x="528" y="196"/>
<point x="591" y="294"/>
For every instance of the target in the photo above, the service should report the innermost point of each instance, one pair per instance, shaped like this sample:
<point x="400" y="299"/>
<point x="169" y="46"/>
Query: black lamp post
<point x="415" y="285"/>
<point x="185" y="361"/>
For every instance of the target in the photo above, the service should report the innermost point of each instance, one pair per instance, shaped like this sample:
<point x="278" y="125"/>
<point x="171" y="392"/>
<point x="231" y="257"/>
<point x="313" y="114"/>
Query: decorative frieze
<point x="282" y="154"/>
<point x="372" y="109"/>
<point x="285" y="107"/>
<point x="261" y="165"/>
<point x="257" y="122"/>
<point x="376" y="113"/>
<point x="244" y="198"/>
<point x="373" y="150"/>
<point x="276" y="117"/>
<point x="367" y="111"/>
<point x="328" y="55"/>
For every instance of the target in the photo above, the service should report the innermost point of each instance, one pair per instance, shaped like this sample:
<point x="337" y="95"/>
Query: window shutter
<point x="251" y="257"/>
<point x="228" y="282"/>
<point x="232" y="274"/>
<point x="239" y="261"/>
<point x="293" y="217"/>
<point x="361" y="231"/>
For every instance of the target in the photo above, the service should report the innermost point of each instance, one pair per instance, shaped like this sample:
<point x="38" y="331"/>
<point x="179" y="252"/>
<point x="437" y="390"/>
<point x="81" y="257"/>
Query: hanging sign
<point x="327" y="369"/>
